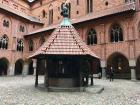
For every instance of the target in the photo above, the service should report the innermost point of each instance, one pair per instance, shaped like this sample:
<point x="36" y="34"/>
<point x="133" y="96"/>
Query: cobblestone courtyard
<point x="21" y="91"/>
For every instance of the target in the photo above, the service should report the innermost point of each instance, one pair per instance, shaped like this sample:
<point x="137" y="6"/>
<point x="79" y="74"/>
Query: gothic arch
<point x="120" y="65"/>
<point x="4" y="63"/>
<point x="30" y="69"/>
<point x="19" y="67"/>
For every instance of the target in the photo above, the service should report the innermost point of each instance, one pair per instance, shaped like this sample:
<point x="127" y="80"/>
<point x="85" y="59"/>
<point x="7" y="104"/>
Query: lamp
<point x="119" y="64"/>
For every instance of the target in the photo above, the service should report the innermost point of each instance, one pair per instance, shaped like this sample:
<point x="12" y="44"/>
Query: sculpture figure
<point x="64" y="10"/>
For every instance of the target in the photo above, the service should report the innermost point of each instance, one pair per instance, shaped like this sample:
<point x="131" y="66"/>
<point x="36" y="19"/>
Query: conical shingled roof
<point x="64" y="41"/>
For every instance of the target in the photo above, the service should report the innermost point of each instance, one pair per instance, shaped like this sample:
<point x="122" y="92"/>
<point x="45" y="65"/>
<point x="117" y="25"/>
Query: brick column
<point x="25" y="69"/>
<point x="103" y="66"/>
<point x="132" y="64"/>
<point x="11" y="69"/>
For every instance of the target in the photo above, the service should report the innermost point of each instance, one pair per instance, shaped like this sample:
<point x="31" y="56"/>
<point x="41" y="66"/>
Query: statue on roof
<point x="64" y="10"/>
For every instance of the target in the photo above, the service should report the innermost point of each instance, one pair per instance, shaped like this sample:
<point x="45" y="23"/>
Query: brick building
<point x="110" y="28"/>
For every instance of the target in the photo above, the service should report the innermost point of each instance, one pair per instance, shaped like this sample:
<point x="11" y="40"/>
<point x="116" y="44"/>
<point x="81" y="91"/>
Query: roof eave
<point x="18" y="13"/>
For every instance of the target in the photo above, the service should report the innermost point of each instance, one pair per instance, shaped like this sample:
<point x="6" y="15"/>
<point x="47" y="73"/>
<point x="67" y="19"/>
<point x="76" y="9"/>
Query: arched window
<point x="21" y="28"/>
<point x="116" y="34"/>
<point x="4" y="42"/>
<point x="50" y="14"/>
<point x="31" y="45"/>
<point x="42" y="40"/>
<point x="6" y="23"/>
<point x="92" y="37"/>
<point x="20" y="45"/>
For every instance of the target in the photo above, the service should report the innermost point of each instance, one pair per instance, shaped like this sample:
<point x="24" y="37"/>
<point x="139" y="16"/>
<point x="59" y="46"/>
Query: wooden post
<point x="91" y="80"/>
<point x="87" y="79"/>
<point x="45" y="78"/>
<point x="36" y="78"/>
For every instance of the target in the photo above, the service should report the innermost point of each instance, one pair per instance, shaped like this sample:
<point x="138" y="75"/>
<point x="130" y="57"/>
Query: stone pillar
<point x="34" y="66"/>
<point x="132" y="64"/>
<point x="133" y="73"/>
<point x="25" y="69"/>
<point x="11" y="70"/>
<point x="103" y="66"/>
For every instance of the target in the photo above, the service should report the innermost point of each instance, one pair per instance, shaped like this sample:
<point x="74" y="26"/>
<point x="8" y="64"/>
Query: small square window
<point x="77" y="12"/>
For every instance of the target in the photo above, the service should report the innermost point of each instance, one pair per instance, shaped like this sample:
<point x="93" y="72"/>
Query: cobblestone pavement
<point x="21" y="91"/>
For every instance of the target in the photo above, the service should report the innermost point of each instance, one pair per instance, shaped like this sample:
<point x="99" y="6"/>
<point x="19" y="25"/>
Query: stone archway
<point x="3" y="66"/>
<point x="19" y="67"/>
<point x="31" y="69"/>
<point x="138" y="68"/>
<point x="120" y="65"/>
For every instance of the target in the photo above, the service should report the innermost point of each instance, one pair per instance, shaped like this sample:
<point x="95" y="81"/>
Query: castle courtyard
<point x="20" y="90"/>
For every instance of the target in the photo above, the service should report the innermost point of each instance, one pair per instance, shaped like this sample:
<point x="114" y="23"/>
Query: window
<point x="89" y="6"/>
<point x="58" y="8"/>
<point x="116" y="34"/>
<point x="21" y="28"/>
<point x="42" y="40"/>
<point x="4" y="42"/>
<point x="77" y="2"/>
<point x="6" y="23"/>
<point x="50" y="16"/>
<point x="31" y="45"/>
<point x="92" y="37"/>
<point x="41" y="2"/>
<point x="43" y="13"/>
<point x="129" y="1"/>
<point x="20" y="45"/>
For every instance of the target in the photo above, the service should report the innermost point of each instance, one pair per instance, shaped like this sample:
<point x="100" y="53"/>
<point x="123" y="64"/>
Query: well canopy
<point x="64" y="41"/>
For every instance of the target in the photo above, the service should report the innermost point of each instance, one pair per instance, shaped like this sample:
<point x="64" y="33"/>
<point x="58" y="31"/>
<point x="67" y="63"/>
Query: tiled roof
<point x="103" y="13"/>
<point x="64" y="41"/>
<point x="23" y="15"/>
